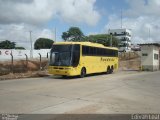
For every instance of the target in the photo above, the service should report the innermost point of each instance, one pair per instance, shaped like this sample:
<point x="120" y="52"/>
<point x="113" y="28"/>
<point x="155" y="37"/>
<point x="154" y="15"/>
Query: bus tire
<point x="111" y="70"/>
<point x="64" y="76"/>
<point x="108" y="70"/>
<point x="83" y="72"/>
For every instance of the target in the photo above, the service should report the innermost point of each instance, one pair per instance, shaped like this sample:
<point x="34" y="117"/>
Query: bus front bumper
<point x="68" y="71"/>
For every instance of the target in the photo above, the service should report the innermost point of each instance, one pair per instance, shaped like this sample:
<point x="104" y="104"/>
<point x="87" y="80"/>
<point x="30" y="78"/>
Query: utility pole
<point x="149" y="34"/>
<point x="31" y="50"/>
<point x="121" y="19"/>
<point x="111" y="40"/>
<point x="55" y="34"/>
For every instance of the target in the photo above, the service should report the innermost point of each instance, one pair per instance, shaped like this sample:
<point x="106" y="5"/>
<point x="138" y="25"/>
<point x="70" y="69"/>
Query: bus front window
<point x="63" y="55"/>
<point x="60" y="59"/>
<point x="63" y="59"/>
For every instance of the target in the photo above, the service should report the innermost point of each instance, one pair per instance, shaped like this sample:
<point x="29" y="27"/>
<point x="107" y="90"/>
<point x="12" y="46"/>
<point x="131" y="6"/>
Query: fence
<point x="21" y="54"/>
<point x="22" y="66"/>
<point x="19" y="61"/>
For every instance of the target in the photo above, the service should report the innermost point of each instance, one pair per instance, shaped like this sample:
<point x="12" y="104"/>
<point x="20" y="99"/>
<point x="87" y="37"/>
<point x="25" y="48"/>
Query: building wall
<point x="20" y="54"/>
<point x="119" y="33"/>
<point x="148" y="62"/>
<point x="156" y="61"/>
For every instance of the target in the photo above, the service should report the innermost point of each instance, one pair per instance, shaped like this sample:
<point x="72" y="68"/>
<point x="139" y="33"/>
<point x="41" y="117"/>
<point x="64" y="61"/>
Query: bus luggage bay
<point x="82" y="58"/>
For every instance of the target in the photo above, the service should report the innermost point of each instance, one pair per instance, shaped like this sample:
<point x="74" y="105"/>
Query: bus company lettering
<point x="107" y="59"/>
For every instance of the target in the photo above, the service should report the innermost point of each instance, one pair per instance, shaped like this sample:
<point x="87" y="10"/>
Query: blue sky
<point x="41" y="17"/>
<point x="105" y="7"/>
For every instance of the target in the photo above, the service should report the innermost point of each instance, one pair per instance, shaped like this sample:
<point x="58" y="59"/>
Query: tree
<point x="7" y="45"/>
<point x="102" y="39"/>
<point x="73" y="34"/>
<point x="43" y="43"/>
<point x="19" y="48"/>
<point x="65" y="36"/>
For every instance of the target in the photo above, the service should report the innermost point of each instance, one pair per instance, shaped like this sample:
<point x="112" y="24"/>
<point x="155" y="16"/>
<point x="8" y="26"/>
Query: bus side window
<point x="85" y="50"/>
<point x="91" y="51"/>
<point x="76" y="55"/>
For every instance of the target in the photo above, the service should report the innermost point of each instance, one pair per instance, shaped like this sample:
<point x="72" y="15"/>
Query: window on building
<point x="156" y="56"/>
<point x="144" y="54"/>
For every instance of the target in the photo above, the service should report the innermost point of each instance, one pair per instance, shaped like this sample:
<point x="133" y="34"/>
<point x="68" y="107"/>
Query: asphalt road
<point x="121" y="92"/>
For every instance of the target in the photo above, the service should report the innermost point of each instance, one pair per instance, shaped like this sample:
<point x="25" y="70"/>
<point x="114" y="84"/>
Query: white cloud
<point x="79" y="11"/>
<point x="142" y="17"/>
<point x="21" y="34"/>
<point x="41" y="11"/>
<point x="143" y="7"/>
<point x="18" y="17"/>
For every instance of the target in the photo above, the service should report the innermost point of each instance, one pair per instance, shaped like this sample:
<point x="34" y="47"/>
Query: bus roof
<point x="87" y="44"/>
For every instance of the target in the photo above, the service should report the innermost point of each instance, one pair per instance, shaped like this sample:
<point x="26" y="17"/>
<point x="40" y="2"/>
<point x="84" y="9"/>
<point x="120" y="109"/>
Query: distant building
<point x="124" y="35"/>
<point x="135" y="47"/>
<point x="150" y="56"/>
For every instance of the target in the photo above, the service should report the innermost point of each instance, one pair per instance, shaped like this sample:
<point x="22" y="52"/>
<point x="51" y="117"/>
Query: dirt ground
<point x="30" y="74"/>
<point x="23" y="69"/>
<point x="132" y="64"/>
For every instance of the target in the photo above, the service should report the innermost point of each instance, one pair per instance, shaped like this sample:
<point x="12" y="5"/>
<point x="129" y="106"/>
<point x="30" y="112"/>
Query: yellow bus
<point x="82" y="58"/>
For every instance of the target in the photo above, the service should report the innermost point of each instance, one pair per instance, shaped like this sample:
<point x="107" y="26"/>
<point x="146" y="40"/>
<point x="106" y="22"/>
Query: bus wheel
<point x="108" y="70"/>
<point x="111" y="70"/>
<point x="83" y="72"/>
<point x="64" y="76"/>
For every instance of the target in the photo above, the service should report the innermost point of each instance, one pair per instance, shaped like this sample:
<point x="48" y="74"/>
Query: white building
<point x="150" y="56"/>
<point x="124" y="35"/>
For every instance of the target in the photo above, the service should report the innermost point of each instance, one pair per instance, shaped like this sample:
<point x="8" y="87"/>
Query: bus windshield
<point x="65" y="55"/>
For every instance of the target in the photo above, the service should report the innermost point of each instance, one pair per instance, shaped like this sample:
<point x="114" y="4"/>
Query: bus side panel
<point x="92" y="64"/>
<point x="98" y="64"/>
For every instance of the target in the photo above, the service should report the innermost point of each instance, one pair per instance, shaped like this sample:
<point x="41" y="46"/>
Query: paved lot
<point x="121" y="92"/>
